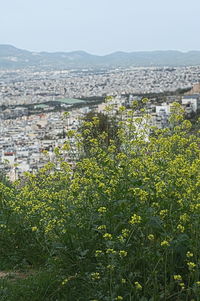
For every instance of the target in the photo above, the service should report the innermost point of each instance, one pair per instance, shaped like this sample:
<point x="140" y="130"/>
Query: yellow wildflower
<point x="191" y="265"/>
<point x="178" y="277"/>
<point x="107" y="236"/>
<point x="184" y="218"/>
<point x="95" y="276"/>
<point x="64" y="281"/>
<point x="164" y="243"/>
<point x="110" y="251"/>
<point x="181" y="228"/>
<point x="182" y="285"/>
<point x="122" y="253"/>
<point x="163" y="213"/>
<point x="189" y="254"/>
<point x="98" y="253"/>
<point x="102" y="227"/>
<point x="102" y="210"/>
<point x="110" y="267"/>
<point x="34" y="229"/>
<point x="150" y="237"/>
<point x="138" y="286"/>
<point x="125" y="232"/>
<point x="135" y="219"/>
<point x="121" y="238"/>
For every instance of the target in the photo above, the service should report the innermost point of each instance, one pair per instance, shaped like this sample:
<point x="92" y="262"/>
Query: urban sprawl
<point x="33" y="105"/>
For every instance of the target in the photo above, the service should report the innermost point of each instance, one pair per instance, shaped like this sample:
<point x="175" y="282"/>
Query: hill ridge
<point x="12" y="58"/>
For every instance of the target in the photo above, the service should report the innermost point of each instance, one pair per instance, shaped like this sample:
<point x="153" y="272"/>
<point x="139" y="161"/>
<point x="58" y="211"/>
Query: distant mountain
<point x="13" y="58"/>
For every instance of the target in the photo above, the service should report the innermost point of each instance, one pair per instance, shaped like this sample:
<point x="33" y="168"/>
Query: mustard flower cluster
<point x="135" y="219"/>
<point x="118" y="207"/>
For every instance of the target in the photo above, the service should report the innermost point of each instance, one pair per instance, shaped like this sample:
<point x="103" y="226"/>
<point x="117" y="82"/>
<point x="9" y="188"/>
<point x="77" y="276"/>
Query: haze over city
<point x="100" y="27"/>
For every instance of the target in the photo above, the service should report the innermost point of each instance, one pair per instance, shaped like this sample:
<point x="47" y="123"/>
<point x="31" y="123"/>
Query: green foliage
<point x="99" y="126"/>
<point x="122" y="225"/>
<point x="4" y="179"/>
<point x="36" y="286"/>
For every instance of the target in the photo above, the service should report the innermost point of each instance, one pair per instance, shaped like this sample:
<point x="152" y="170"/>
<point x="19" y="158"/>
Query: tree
<point x="101" y="127"/>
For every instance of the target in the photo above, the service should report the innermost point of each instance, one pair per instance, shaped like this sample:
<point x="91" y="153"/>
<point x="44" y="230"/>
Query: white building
<point x="164" y="108"/>
<point x="191" y="102"/>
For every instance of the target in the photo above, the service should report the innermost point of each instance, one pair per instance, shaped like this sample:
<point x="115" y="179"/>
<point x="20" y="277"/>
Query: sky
<point x="100" y="26"/>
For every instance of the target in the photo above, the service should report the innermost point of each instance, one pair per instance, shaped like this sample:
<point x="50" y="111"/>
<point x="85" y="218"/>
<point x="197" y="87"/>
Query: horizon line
<point x="110" y="53"/>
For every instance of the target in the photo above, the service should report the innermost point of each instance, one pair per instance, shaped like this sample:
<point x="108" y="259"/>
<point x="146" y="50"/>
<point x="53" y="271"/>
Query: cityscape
<point x="99" y="150"/>
<point x="19" y="87"/>
<point x="33" y="104"/>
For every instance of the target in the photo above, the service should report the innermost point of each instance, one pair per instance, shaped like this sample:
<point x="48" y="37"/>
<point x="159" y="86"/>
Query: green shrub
<point x="124" y="223"/>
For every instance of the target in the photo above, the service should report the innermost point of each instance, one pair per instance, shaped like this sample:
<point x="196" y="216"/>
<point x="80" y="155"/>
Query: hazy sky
<point x="100" y="26"/>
